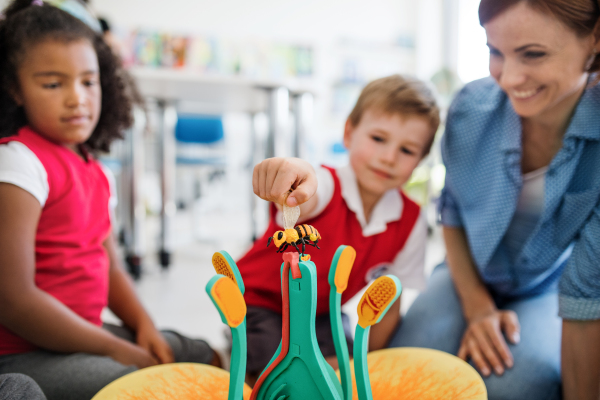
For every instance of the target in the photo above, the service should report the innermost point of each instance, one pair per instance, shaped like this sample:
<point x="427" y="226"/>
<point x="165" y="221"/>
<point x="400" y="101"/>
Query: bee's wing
<point x="290" y="215"/>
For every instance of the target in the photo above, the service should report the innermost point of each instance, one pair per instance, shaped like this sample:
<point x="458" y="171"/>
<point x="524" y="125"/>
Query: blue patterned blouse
<point x="482" y="153"/>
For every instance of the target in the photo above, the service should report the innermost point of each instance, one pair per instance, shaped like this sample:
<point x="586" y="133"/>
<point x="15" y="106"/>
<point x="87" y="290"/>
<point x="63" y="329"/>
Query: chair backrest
<point x="338" y="148"/>
<point x="202" y="129"/>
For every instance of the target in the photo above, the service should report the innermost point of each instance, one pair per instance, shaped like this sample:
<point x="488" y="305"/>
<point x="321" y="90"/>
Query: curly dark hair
<point x="25" y="24"/>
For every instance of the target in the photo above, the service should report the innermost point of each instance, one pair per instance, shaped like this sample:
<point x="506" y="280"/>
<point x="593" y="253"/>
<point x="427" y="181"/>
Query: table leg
<point x="167" y="122"/>
<point x="134" y="218"/>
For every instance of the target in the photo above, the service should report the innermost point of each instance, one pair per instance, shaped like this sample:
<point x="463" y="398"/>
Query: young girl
<point x="62" y="98"/>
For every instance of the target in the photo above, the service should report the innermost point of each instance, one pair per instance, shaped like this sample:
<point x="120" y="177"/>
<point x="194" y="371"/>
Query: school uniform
<point x="392" y="242"/>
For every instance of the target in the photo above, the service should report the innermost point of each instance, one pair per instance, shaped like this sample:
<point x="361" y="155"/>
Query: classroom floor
<point x="176" y="298"/>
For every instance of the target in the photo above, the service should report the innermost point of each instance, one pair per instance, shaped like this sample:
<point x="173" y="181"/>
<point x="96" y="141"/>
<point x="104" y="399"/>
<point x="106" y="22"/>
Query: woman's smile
<point x="526" y="94"/>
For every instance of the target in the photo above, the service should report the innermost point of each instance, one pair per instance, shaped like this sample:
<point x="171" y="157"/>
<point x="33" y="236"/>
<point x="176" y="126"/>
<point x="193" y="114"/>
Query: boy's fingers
<point x="262" y="179"/>
<point x="289" y="176"/>
<point x="273" y="178"/>
<point x="273" y="174"/>
<point x="281" y="186"/>
<point x="509" y="322"/>
<point x="255" y="186"/>
<point x="304" y="191"/>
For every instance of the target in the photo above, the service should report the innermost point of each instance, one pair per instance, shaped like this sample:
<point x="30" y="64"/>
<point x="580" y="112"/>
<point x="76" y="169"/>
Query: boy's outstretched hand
<point x="273" y="178"/>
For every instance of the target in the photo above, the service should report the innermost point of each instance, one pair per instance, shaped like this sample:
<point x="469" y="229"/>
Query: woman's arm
<point x="381" y="333"/>
<point x="473" y="294"/>
<point x="579" y="306"/>
<point x="408" y="265"/>
<point x="483" y="341"/>
<point x="580" y="359"/>
<point x="124" y="303"/>
<point x="32" y="313"/>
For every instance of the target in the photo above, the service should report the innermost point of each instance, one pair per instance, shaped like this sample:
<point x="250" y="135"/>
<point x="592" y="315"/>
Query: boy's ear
<point x="348" y="129"/>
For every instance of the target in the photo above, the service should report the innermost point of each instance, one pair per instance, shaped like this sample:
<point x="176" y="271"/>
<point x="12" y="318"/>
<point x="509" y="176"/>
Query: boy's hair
<point x="26" y="24"/>
<point x="400" y="95"/>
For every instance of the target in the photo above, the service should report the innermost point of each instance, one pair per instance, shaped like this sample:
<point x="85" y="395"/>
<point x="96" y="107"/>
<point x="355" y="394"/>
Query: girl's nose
<point x="76" y="95"/>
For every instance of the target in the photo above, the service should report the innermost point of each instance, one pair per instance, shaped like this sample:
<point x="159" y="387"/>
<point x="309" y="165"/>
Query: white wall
<point x="315" y="22"/>
<point x="310" y="20"/>
<point x="318" y="23"/>
<point x="473" y="53"/>
<point x="429" y="34"/>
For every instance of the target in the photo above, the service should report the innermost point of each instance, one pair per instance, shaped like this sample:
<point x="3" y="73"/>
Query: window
<point x="473" y="54"/>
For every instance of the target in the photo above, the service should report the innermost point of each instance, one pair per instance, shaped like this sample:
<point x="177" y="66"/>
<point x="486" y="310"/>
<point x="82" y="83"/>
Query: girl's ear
<point x="348" y="129"/>
<point x="16" y="95"/>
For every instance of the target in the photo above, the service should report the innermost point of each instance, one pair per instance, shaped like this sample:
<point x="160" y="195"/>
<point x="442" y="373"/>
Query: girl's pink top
<point x="71" y="263"/>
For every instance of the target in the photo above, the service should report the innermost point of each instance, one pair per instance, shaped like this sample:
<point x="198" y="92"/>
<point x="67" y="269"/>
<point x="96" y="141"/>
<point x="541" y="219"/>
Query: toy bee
<point x="290" y="236"/>
<point x="300" y="235"/>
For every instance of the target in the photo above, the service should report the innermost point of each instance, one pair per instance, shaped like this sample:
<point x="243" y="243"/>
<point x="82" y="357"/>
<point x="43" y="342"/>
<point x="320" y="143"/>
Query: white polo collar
<point x="388" y="208"/>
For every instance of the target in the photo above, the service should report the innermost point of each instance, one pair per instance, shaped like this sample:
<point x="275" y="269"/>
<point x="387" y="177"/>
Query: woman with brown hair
<point x="521" y="209"/>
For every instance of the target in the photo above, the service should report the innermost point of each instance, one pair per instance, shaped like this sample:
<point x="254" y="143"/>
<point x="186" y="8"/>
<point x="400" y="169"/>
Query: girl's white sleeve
<point x="409" y="264"/>
<point x="19" y="166"/>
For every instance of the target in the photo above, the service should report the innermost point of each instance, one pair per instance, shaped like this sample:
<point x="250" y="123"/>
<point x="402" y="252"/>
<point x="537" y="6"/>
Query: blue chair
<point x="200" y="140"/>
<point x="337" y="155"/>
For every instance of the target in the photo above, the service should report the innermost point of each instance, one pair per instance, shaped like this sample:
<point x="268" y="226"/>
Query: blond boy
<point x="389" y="131"/>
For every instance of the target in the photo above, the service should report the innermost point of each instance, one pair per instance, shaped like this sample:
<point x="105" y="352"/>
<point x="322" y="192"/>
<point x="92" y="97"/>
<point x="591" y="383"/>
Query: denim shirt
<point x="482" y="151"/>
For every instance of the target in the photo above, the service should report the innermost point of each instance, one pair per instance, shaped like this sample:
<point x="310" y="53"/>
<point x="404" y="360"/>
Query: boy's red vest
<point x="71" y="263"/>
<point x="337" y="224"/>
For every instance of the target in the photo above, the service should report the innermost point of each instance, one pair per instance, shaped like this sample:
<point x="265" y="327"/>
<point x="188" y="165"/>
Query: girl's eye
<point x="52" y="85"/>
<point x="407" y="151"/>
<point x="378" y="139"/>
<point x="90" y="83"/>
<point x="534" y="54"/>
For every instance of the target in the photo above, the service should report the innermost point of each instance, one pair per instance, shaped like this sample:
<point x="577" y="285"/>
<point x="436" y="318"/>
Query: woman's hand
<point x="150" y="339"/>
<point x="273" y="178"/>
<point x="484" y="341"/>
<point x="131" y="354"/>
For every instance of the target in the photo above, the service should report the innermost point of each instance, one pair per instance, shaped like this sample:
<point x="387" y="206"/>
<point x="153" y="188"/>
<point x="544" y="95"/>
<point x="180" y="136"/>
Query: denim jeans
<point x="435" y="321"/>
